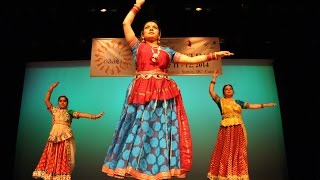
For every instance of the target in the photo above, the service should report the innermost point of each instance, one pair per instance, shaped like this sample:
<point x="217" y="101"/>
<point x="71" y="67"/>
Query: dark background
<point x="286" y="32"/>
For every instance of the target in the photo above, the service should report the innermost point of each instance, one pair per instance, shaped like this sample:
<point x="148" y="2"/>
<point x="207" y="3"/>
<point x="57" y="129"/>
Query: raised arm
<point x="212" y="84"/>
<point x="48" y="95"/>
<point x="184" y="59"/>
<point x="87" y="115"/>
<point x="127" y="28"/>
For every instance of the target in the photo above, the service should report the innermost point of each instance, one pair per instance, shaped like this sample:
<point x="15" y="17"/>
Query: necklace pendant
<point x="154" y="58"/>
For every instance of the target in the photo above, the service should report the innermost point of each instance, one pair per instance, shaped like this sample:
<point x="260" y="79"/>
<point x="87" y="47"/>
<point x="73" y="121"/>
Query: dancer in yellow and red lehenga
<point x="229" y="159"/>
<point x="152" y="139"/>
<point x="58" y="157"/>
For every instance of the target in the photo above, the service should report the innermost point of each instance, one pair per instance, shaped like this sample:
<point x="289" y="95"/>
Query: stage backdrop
<point x="253" y="81"/>
<point x="112" y="56"/>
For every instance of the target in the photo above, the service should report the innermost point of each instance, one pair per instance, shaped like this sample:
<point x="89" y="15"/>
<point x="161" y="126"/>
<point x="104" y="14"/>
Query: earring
<point x="158" y="40"/>
<point x="143" y="39"/>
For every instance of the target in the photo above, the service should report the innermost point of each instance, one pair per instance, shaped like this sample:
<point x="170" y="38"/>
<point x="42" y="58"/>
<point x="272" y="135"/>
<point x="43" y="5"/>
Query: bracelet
<point x="211" y="57"/>
<point x="135" y="9"/>
<point x="213" y="82"/>
<point x="262" y="106"/>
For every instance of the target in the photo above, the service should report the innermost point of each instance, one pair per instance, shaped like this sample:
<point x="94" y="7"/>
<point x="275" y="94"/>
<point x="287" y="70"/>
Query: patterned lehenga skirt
<point x="151" y="141"/>
<point x="58" y="158"/>
<point x="229" y="158"/>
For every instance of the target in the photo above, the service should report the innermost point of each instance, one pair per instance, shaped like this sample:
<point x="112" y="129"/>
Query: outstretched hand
<point x="270" y="104"/>
<point x="222" y="54"/>
<point x="99" y="115"/>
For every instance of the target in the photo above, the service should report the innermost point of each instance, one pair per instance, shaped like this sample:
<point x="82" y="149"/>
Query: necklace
<point x="155" y="55"/>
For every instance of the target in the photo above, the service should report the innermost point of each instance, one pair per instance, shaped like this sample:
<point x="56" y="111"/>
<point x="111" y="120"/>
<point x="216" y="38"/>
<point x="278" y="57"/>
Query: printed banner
<point x="113" y="57"/>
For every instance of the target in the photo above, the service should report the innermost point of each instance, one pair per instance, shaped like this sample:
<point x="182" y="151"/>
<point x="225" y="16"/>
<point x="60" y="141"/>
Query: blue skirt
<point x="145" y="143"/>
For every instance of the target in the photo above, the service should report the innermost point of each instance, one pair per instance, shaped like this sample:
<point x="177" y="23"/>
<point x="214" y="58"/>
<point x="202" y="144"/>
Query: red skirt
<point x="56" y="161"/>
<point x="229" y="158"/>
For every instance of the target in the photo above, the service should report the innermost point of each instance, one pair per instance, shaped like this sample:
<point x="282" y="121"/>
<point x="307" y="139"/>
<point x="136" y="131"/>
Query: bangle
<point x="210" y="56"/>
<point x="213" y="82"/>
<point x="262" y="106"/>
<point x="135" y="10"/>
